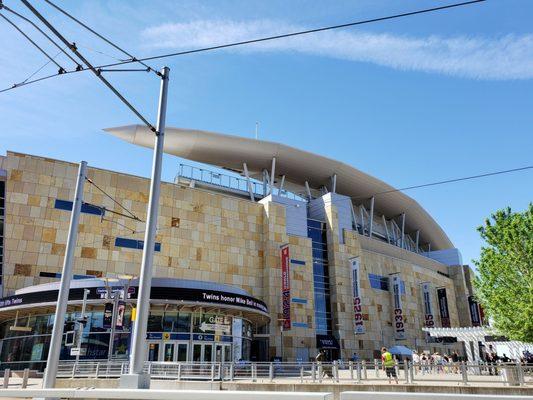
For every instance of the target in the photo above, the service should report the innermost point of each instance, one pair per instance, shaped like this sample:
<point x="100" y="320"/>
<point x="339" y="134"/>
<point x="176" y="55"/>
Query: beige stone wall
<point x="204" y="236"/>
<point x="211" y="237"/>
<point x="377" y="309"/>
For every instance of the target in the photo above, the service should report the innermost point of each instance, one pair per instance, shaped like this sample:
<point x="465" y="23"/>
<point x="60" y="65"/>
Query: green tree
<point x="505" y="273"/>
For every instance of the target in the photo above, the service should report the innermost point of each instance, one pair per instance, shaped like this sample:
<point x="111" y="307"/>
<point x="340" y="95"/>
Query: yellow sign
<point x="133" y="314"/>
<point x="166" y="336"/>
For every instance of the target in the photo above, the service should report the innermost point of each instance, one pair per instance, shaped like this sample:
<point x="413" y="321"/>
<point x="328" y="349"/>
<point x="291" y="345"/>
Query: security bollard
<point x="231" y="371"/>
<point x="358" y="367"/>
<point x="320" y="373"/>
<point x="365" y="373"/>
<point x="179" y="372"/>
<point x="406" y="371"/>
<point x="271" y="372"/>
<point x="376" y="369"/>
<point x="313" y="372"/>
<point x="412" y="373"/>
<point x="6" y="377"/>
<point x="336" y="371"/>
<point x="301" y="373"/>
<point x="350" y="367"/>
<point x="25" y="377"/>
<point x="212" y="372"/>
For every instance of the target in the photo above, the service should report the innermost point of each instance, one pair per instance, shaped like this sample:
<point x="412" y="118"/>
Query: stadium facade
<point x="287" y="253"/>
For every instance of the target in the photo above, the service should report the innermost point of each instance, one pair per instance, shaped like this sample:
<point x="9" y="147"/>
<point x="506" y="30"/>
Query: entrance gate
<point x="178" y="351"/>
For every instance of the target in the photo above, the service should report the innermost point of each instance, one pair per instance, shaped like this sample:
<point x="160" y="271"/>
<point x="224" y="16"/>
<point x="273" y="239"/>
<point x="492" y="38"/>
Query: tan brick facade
<point x="214" y="237"/>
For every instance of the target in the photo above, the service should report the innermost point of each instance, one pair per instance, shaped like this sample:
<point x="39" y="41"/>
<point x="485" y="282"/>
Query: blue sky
<point x="410" y="101"/>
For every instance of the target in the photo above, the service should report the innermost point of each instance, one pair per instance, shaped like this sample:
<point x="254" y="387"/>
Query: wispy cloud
<point x="501" y="58"/>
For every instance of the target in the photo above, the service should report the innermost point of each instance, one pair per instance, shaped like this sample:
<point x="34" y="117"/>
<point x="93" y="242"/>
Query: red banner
<point x="286" y="288"/>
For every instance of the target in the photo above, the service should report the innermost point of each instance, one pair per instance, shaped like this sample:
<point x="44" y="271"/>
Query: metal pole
<point x="403" y="231"/>
<point x="143" y="300"/>
<point x="116" y="298"/>
<point x="371" y="227"/>
<point x="52" y="362"/>
<point x="281" y="348"/>
<point x="81" y="326"/>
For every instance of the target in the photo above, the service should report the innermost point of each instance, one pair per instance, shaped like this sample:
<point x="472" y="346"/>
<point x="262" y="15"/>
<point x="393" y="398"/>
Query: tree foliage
<point x="505" y="273"/>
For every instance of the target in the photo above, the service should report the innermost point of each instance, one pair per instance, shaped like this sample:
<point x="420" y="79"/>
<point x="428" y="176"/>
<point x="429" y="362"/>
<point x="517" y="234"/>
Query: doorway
<point x="168" y="351"/>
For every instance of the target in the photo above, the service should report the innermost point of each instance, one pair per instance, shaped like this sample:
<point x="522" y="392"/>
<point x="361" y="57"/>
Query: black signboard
<point x="474" y="311"/>
<point x="157" y="293"/>
<point x="108" y="316"/>
<point x="443" y="307"/>
<point x="327" y="342"/>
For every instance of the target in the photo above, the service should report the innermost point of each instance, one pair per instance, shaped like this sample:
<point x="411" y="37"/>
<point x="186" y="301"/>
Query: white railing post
<point x="271" y="372"/>
<point x="320" y="372"/>
<point x="254" y="372"/>
<point x="212" y="372"/>
<point x="179" y="372"/>
<point x="336" y="371"/>
<point x="464" y="373"/>
<point x="7" y="372"/>
<point x="350" y="367"/>
<point x="358" y="368"/>
<point x="232" y="371"/>
<point x="520" y="373"/>
<point x="301" y="373"/>
<point x="25" y="377"/>
<point x="412" y="373"/>
<point x="376" y="369"/>
<point x="313" y="371"/>
<point x="406" y="370"/>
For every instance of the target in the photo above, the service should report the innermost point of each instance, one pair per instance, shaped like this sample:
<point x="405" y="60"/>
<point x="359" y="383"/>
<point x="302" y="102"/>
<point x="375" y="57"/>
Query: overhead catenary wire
<point x="39" y="69"/>
<point x="133" y="59"/>
<point x="78" y="66"/>
<point x="61" y="69"/>
<point x="264" y="39"/>
<point x="465" y="178"/>
<point x="112" y="199"/>
<point x="73" y="48"/>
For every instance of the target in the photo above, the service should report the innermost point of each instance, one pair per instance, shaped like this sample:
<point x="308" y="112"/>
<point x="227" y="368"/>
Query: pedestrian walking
<point x="389" y="365"/>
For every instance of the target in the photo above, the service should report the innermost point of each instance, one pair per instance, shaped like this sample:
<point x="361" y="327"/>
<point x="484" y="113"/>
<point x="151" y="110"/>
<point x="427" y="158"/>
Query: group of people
<point x="436" y="362"/>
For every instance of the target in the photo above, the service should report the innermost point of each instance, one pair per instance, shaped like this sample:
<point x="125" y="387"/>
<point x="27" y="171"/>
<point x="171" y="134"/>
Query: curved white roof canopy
<point x="298" y="166"/>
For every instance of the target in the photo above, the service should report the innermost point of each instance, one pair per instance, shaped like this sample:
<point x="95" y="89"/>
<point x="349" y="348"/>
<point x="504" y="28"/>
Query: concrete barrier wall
<point x="151" y="394"/>
<point x="424" y="396"/>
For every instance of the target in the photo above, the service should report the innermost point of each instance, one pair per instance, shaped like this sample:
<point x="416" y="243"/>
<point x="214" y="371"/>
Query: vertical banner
<point x="121" y="309"/>
<point x="397" y="314"/>
<point x="285" y="288"/>
<point x="359" y="327"/>
<point x="443" y="307"/>
<point x="429" y="319"/>
<point x="108" y="316"/>
<point x="474" y="311"/>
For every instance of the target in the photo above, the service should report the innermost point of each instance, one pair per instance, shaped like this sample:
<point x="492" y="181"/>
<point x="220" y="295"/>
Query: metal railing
<point x="228" y="181"/>
<point x="510" y="374"/>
